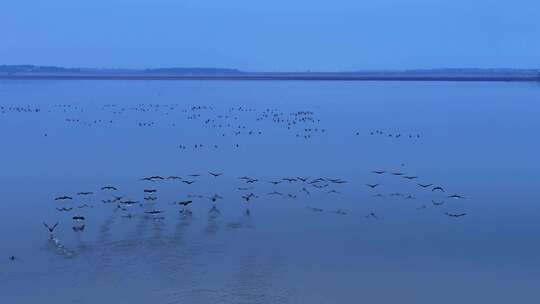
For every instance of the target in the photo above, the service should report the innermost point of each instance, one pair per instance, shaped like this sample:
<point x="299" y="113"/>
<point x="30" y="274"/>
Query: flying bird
<point x="61" y="198"/>
<point x="50" y="228"/>
<point x="455" y="214"/>
<point x="109" y="188"/>
<point x="437" y="188"/>
<point x="379" y="172"/>
<point x="372" y="186"/>
<point x="215" y="174"/>
<point x="425" y="185"/>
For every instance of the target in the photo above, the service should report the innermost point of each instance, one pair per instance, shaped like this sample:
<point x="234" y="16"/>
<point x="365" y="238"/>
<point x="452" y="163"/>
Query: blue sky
<point x="274" y="35"/>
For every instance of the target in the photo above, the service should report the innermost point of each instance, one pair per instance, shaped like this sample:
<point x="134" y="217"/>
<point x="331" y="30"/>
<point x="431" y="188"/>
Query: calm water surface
<point x="478" y="140"/>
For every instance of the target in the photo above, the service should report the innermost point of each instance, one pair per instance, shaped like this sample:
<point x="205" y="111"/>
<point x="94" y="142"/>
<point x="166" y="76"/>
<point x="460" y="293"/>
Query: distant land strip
<point x="31" y="72"/>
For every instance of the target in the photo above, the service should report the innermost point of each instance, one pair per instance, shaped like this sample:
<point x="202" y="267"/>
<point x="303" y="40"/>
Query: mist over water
<point x="478" y="140"/>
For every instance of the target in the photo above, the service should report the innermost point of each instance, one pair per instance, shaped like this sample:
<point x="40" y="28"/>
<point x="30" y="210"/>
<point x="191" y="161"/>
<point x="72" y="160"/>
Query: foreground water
<point x="315" y="242"/>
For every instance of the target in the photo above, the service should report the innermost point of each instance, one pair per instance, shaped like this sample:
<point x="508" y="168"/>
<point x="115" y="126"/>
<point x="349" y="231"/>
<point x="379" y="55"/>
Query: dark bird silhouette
<point x="62" y="198"/>
<point x="85" y="193"/>
<point x="455" y="214"/>
<point x="397" y="173"/>
<point x="109" y="188"/>
<point x="189" y="182"/>
<point x="248" y="197"/>
<point x="12" y="258"/>
<point x="64" y="209"/>
<point x="410" y="177"/>
<point x="184" y="203"/>
<point x="425" y="185"/>
<point x="372" y="186"/>
<point x="150" y="190"/>
<point x="78" y="218"/>
<point x="215" y="174"/>
<point x="379" y="172"/>
<point x="251" y="181"/>
<point x="50" y="228"/>
<point x="437" y="188"/>
<point x="150" y="198"/>
<point x="154" y="211"/>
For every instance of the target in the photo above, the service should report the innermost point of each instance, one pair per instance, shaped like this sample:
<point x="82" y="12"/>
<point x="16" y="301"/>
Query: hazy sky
<point x="274" y="35"/>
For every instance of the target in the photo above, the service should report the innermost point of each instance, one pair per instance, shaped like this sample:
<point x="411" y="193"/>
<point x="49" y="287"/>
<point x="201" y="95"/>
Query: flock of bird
<point x="232" y="125"/>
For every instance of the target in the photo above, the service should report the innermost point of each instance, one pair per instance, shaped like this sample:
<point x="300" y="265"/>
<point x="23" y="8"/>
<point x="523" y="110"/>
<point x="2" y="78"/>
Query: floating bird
<point x="51" y="229"/>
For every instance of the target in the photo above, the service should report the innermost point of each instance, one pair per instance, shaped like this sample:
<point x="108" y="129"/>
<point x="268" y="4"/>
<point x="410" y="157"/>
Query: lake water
<point x="327" y="240"/>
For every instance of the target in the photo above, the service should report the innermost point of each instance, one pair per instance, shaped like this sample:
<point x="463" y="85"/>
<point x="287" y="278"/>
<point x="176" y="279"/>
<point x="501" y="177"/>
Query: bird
<point x="215" y="198"/>
<point x="455" y="214"/>
<point x="50" y="228"/>
<point x="188" y="182"/>
<point x="64" y="209"/>
<point x="150" y="198"/>
<point x="372" y="215"/>
<point x="437" y="188"/>
<point x="274" y="182"/>
<point x="372" y="186"/>
<point x="109" y="188"/>
<point x="12" y="258"/>
<point x="78" y="218"/>
<point x="456" y="196"/>
<point x="150" y="190"/>
<point x="397" y="173"/>
<point x="410" y="177"/>
<point x="378" y="172"/>
<point x="174" y="177"/>
<point x="184" y="203"/>
<point x="62" y="198"/>
<point x="85" y="193"/>
<point x="215" y="174"/>
<point x="78" y="228"/>
<point x="425" y="185"/>
<point x="154" y="211"/>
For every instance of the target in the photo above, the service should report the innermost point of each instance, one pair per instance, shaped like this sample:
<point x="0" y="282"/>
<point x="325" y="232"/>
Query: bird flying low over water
<point x="372" y="186"/>
<point x="85" y="193"/>
<point x="437" y="188"/>
<point x="184" y="203"/>
<point x="154" y="211"/>
<point x="50" y="228"/>
<point x="62" y="198"/>
<point x="109" y="188"/>
<point x="455" y="214"/>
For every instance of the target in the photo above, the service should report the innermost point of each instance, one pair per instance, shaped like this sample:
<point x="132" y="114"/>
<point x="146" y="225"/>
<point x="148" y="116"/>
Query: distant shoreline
<point x="276" y="77"/>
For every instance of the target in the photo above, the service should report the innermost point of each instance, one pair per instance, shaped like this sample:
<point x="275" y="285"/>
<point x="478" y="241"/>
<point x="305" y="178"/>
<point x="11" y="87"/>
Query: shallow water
<point x="477" y="140"/>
